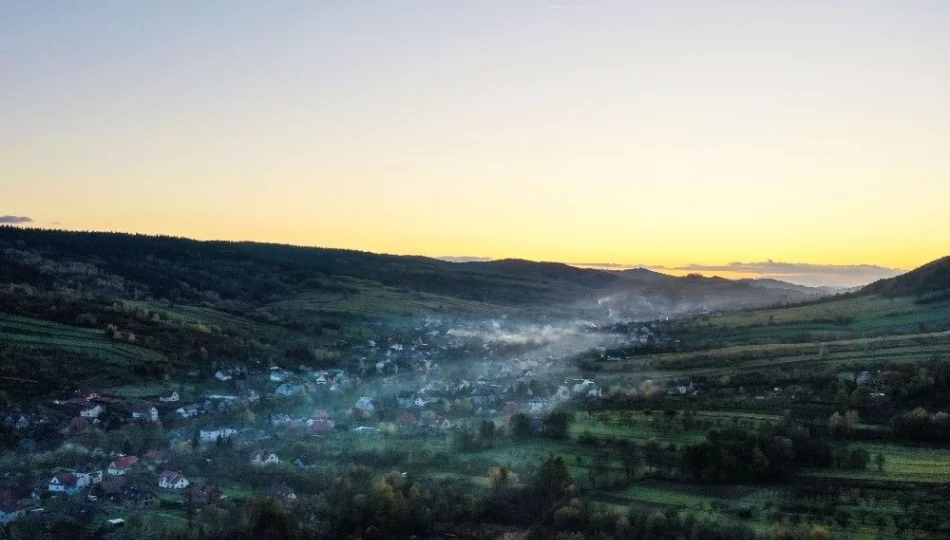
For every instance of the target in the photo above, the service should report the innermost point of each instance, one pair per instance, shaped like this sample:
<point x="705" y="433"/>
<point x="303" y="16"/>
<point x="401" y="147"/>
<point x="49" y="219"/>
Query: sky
<point x="674" y="134"/>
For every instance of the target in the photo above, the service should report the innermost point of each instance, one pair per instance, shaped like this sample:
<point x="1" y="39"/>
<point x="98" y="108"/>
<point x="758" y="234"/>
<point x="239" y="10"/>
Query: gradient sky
<point x="665" y="132"/>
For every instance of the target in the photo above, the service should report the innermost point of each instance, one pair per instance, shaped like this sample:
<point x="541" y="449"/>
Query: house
<point x="222" y="376"/>
<point x="365" y="404"/>
<point x="188" y="411"/>
<point x="536" y="405"/>
<point x="405" y="399"/>
<point x="320" y="427"/>
<point x="483" y="395"/>
<point x="300" y="463"/>
<point x="586" y="388"/>
<point x="172" y="480"/>
<point x="144" y="412"/>
<point x="263" y="458"/>
<point x="864" y="377"/>
<point x="422" y="402"/>
<point x="91" y="410"/>
<point x="121" y="465"/>
<point x="279" y="375"/>
<point x="203" y="495"/>
<point x="288" y="390"/>
<point x="70" y="482"/>
<point x="409" y="421"/>
<point x="170" y="398"/>
<point x="364" y="430"/>
<point x="249" y="396"/>
<point x="283" y="494"/>
<point x="212" y="435"/>
<point x="320" y="414"/>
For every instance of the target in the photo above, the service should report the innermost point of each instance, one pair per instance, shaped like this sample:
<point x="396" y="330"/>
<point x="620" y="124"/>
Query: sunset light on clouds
<point x="658" y="133"/>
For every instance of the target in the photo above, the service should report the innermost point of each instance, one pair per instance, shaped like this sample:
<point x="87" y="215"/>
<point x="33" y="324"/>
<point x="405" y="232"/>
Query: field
<point x="38" y="334"/>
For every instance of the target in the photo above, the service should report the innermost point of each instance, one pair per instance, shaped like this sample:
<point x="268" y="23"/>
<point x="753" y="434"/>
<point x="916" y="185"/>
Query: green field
<point x="902" y="464"/>
<point x="38" y="334"/>
<point x="848" y="317"/>
<point x="207" y="317"/>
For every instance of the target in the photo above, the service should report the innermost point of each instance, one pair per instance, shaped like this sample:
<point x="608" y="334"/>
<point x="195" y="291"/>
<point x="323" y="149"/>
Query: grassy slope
<point x="38" y="334"/>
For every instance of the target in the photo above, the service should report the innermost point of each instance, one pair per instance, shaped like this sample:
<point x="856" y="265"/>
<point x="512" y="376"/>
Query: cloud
<point x="839" y="275"/>
<point x="12" y="220"/>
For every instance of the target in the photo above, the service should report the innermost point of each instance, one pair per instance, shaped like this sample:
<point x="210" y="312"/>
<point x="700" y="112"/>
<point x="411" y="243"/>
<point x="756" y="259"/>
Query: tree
<point x="861" y="396"/>
<point x="630" y="458"/>
<point x="502" y="477"/>
<point x="554" y="477"/>
<point x="558" y="425"/>
<point x="819" y="533"/>
<point x="879" y="461"/>
<point x="599" y="471"/>
<point x="519" y="426"/>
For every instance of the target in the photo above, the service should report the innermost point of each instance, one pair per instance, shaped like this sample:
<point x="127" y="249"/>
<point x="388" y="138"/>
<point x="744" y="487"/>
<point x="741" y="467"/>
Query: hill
<point x="930" y="282"/>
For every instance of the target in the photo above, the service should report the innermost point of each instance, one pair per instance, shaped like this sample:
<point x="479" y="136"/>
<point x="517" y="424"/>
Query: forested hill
<point x="189" y="271"/>
<point x="929" y="282"/>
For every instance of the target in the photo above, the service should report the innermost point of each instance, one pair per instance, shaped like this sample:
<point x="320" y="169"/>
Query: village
<point x="105" y="455"/>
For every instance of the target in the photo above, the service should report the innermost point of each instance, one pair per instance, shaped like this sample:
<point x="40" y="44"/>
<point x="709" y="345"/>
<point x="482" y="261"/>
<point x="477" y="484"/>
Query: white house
<point x="365" y="404"/>
<point x="144" y="412"/>
<point x="188" y="411"/>
<point x="212" y="435"/>
<point x="264" y="458"/>
<point x="70" y="482"/>
<point x="288" y="390"/>
<point x="93" y="410"/>
<point x="171" y="398"/>
<point x="172" y="480"/>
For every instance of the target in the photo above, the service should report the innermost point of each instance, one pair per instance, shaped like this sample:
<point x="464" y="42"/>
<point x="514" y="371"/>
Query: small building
<point x="91" y="410"/>
<point x="70" y="482"/>
<point x="188" y="411"/>
<point x="365" y="404"/>
<point x="264" y="458"/>
<point x="172" y="480"/>
<point x="864" y="377"/>
<point x="122" y="465"/>
<point x="287" y="390"/>
<point x="212" y="435"/>
<point x="144" y="412"/>
<point x="282" y="494"/>
<point x="170" y="398"/>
